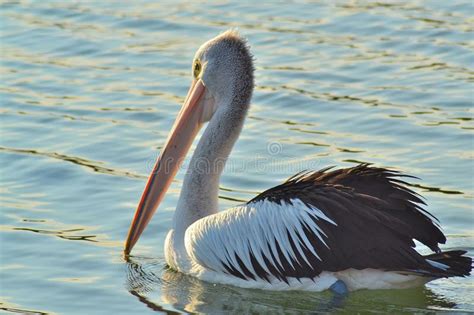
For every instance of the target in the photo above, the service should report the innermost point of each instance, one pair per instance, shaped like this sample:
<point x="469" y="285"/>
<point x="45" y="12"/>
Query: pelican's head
<point x="224" y="65"/>
<point x="222" y="80"/>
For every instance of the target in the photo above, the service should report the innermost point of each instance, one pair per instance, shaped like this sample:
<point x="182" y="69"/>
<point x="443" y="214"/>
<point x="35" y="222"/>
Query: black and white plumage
<point x="354" y="218"/>
<point x="355" y="225"/>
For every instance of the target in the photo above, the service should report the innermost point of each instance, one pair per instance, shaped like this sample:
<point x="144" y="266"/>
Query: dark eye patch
<point x="197" y="68"/>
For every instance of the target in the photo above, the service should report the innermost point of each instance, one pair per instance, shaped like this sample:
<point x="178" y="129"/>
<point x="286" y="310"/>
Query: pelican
<point x="341" y="229"/>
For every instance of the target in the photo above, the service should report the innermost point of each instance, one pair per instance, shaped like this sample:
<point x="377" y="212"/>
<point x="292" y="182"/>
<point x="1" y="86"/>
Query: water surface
<point x="90" y="89"/>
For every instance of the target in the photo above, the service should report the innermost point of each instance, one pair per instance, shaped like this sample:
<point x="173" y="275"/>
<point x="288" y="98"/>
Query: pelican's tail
<point x="450" y="264"/>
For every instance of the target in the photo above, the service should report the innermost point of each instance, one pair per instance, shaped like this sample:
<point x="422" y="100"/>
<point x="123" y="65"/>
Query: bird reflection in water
<point x="164" y="290"/>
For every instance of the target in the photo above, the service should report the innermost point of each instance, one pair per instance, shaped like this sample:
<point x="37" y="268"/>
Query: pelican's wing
<point x="360" y="217"/>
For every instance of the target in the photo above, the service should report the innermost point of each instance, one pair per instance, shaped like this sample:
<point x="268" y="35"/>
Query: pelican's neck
<point x="200" y="190"/>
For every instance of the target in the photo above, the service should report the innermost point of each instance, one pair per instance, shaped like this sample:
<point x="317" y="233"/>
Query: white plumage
<point x="257" y="228"/>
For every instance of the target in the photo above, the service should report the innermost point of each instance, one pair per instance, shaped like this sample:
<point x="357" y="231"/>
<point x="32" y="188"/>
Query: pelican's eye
<point x="197" y="69"/>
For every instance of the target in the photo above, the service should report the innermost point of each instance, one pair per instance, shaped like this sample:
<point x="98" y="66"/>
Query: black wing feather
<point x="377" y="217"/>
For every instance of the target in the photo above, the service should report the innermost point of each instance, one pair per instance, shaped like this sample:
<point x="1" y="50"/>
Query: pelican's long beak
<point x="185" y="128"/>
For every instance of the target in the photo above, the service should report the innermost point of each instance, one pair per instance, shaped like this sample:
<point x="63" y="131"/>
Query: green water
<point x="89" y="91"/>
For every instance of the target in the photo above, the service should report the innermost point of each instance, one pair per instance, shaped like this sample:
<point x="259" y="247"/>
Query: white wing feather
<point x="259" y="229"/>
